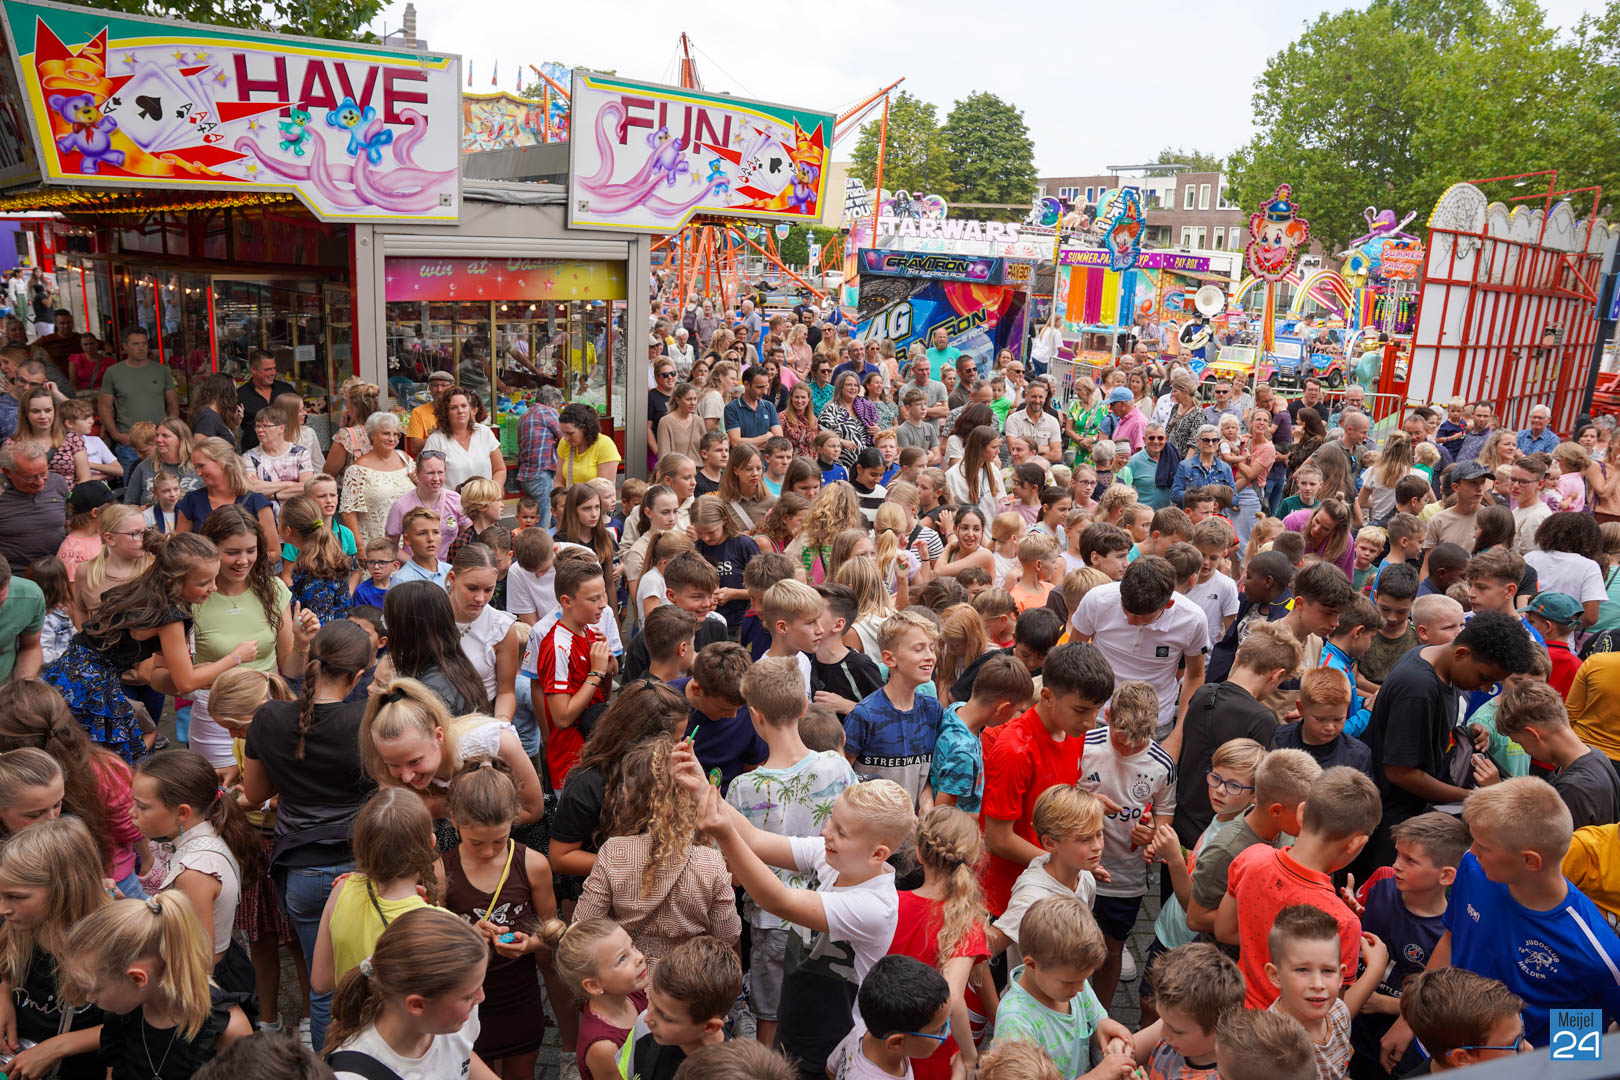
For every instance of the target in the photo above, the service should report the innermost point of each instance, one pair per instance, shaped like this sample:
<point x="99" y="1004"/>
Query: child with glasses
<point x="382" y="559"/>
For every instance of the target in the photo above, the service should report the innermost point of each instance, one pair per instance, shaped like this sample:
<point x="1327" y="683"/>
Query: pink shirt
<point x="113" y="782"/>
<point x="1300" y="520"/>
<point x="451" y="518"/>
<point x="1132" y="429"/>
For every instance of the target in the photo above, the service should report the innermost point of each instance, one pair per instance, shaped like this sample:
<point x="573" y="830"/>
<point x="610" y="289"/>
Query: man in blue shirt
<point x="751" y="419"/>
<point x="940" y="351"/>
<point x="1537" y="438"/>
<point x="1482" y="431"/>
<point x="1145" y="469"/>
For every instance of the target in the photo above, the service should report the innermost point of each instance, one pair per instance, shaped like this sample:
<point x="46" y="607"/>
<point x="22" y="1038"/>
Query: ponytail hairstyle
<point x="121" y="934"/>
<point x="185" y="778"/>
<point x="320" y="553"/>
<point x="647" y="800"/>
<point x="665" y="545"/>
<point x="891" y="528"/>
<point x="340" y="649"/>
<point x="669" y="466"/>
<point x="60" y="857"/>
<point x="657" y="491"/>
<point x="402" y="707"/>
<point x="238" y="693"/>
<point x="91" y="576"/>
<point x="962" y="640"/>
<point x="597" y="538"/>
<point x="422" y="635"/>
<point x="360" y="399"/>
<point x="426" y="951"/>
<point x="33" y="715"/>
<point x="573" y="950"/>
<point x="150" y="600"/>
<point x="233" y="520"/>
<point x="483" y="794"/>
<point x="949" y="844"/>
<point x="871" y="595"/>
<point x="774" y="527"/>
<point x="393" y="839"/>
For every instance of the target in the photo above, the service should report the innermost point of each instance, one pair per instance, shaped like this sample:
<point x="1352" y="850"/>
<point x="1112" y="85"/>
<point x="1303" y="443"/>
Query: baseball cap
<point x="1120" y="393"/>
<point x="1556" y="607"/>
<point x="441" y="376"/>
<point x="1469" y="470"/>
<point x="88" y="496"/>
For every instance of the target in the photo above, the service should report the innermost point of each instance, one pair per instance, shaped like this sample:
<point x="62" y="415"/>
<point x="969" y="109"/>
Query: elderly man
<point x="538" y="433"/>
<point x="1035" y="424"/>
<point x="1354" y="427"/>
<point x="751" y="320"/>
<point x="33" y="508"/>
<point x="1480" y="431"/>
<point x="1130" y="426"/>
<point x="705" y="324"/>
<point x="423" y="419"/>
<point x="751" y="419"/>
<point x="1538" y="438"/>
<point x="1144" y="466"/>
<point x="138" y="388"/>
<point x="941" y="351"/>
<point x="934" y="391"/>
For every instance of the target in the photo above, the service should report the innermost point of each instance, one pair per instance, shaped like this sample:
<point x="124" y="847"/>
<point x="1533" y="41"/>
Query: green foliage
<point x="989" y="155"/>
<point x="914" y="151"/>
<point x="1195" y="160"/>
<point x="342" y="20"/>
<point x="1388" y="107"/>
<point x="795" y="251"/>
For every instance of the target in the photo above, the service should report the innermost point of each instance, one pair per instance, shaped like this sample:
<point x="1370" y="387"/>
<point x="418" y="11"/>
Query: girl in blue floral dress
<point x="322" y="577"/>
<point x="142" y="627"/>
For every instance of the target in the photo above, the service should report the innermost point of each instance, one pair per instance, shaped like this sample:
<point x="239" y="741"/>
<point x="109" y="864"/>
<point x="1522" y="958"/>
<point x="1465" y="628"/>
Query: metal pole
<point x="883" y="150"/>
<point x="1605" y="330"/>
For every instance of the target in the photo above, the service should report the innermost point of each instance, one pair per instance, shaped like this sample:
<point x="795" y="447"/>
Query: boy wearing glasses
<point x="1524" y="494"/>
<point x="380" y="562"/>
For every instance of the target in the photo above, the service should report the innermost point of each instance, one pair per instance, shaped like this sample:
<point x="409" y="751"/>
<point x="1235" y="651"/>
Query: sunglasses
<point x="1208" y="440"/>
<point x="666" y="374"/>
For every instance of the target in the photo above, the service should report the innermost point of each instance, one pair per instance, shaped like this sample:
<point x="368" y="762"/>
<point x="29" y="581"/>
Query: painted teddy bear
<point x="91" y="132"/>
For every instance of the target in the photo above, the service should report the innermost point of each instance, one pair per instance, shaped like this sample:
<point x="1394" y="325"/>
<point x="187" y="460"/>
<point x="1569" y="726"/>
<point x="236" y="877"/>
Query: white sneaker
<point x="1127" y="966"/>
<point x="270" y="1027"/>
<point x="303" y="1034"/>
<point x="568" y="1067"/>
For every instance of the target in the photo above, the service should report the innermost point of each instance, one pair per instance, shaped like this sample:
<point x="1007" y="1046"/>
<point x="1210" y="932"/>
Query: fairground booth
<point x="230" y="191"/>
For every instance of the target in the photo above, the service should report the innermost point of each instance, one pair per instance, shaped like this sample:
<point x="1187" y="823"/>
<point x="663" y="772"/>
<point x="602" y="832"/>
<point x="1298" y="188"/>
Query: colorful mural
<point x="980" y="319"/>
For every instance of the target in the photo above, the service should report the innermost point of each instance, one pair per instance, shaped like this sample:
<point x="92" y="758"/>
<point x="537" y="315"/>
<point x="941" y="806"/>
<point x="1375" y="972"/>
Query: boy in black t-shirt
<point x="1532" y="714"/>
<point x="840" y="677"/>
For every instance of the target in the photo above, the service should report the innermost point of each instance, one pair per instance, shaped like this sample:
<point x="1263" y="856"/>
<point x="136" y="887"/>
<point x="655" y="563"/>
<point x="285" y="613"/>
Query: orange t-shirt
<point x="1263" y="881"/>
<point x="1027" y="598"/>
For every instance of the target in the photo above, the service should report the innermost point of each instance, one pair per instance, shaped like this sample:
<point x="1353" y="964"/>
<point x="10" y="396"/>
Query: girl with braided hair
<point x="656" y="875"/>
<point x="942" y="925"/>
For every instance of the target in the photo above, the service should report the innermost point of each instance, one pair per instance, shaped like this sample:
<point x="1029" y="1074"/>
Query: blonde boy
<point x="1195" y="986"/>
<point x="852" y="911"/>
<point x="891" y="732"/>
<point x="1263" y="1046"/>
<point x="382" y="559"/>
<point x="1036" y="555"/>
<point x="1306" y="970"/>
<point x="788" y="795"/>
<point x="1533" y="715"/>
<point x="1123" y="764"/>
<point x="1068" y="823"/>
<point x="791" y="612"/>
<point x="1214" y="592"/>
<point x="1049" y="1001"/>
<point x="1369" y="545"/>
<point x="421" y="528"/>
<point x="1438" y="619"/>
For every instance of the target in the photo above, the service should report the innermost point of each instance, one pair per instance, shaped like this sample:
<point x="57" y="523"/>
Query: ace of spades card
<point x="149" y="109"/>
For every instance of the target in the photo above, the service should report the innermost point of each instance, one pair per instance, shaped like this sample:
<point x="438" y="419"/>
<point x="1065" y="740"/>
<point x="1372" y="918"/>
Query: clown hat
<point x="1280" y="210"/>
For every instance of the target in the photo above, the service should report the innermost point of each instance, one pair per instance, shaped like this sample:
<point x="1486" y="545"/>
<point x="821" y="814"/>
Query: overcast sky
<point x="1182" y="74"/>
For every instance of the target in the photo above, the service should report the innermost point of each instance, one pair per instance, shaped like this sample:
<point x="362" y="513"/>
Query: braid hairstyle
<point x="340" y="648"/>
<point x="123" y="933"/>
<point x="185" y="778"/>
<point x="33" y="714"/>
<point x="229" y="521"/>
<point x="949" y="845"/>
<point x="426" y="951"/>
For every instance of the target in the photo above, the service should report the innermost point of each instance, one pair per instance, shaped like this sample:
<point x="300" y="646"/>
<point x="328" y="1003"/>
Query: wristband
<point x="597" y="675"/>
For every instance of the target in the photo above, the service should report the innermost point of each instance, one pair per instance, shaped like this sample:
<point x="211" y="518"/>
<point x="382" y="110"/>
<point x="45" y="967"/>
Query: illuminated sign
<point x="1148" y="260"/>
<point x="978" y="269"/>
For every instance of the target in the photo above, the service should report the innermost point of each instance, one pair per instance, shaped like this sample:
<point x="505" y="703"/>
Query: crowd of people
<point x="850" y="743"/>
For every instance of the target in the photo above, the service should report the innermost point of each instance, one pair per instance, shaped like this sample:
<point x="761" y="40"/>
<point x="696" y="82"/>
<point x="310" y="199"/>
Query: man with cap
<point x="261" y="389"/>
<point x="423" y="419"/>
<point x="1455" y="524"/>
<point x="1130" y="426"/>
<point x="1555" y="616"/>
<point x="1035" y="424"/>
<point x="33" y="507"/>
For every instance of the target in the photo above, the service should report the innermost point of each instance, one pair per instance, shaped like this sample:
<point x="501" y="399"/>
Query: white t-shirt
<point x="448" y="1056"/>
<point x="860" y="918"/>
<point x="462" y="465"/>
<point x="608" y="623"/>
<point x="201" y="849"/>
<point x="1381" y="497"/>
<point x="794" y="801"/>
<point x="1568" y="573"/>
<point x="1152" y="653"/>
<point x="1218" y="597"/>
<point x="1135" y="783"/>
<point x="97" y="451"/>
<point x="479" y="639"/>
<point x="1526" y="520"/>
<point x="989" y="491"/>
<point x="651" y="584"/>
<point x="1036" y="884"/>
<point x="848" y="1062"/>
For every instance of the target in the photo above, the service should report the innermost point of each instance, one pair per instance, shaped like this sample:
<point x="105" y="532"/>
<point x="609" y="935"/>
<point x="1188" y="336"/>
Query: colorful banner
<point x="17" y="164"/>
<point x="503" y="280"/>
<point x="500" y="122"/>
<point x="1148" y="260"/>
<point x="357" y="132"/>
<point x="981" y="320"/>
<point x="649" y="158"/>
<point x="980" y="269"/>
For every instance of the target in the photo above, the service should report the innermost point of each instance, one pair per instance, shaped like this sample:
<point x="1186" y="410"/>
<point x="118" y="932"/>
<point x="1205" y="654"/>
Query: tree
<point x="795" y="250"/>
<point x="342" y="20"/>
<point x="1195" y="160"/>
<point x="913" y="152"/>
<point x="988" y="152"/>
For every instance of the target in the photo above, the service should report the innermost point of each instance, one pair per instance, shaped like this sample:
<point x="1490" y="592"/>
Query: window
<point x="1234" y="237"/>
<point x="1203" y="196"/>
<point x="1091" y="194"/>
<point x="1226" y="199"/>
<point x="1216" y="239"/>
<point x="1198" y="237"/>
<point x="1068" y="194"/>
<point x="1192" y="194"/>
<point x="1186" y="236"/>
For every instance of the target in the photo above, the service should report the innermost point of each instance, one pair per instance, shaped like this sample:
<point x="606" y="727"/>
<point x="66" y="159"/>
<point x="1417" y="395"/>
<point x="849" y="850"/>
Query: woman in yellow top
<point x="583" y="453"/>
<point x="394" y="853"/>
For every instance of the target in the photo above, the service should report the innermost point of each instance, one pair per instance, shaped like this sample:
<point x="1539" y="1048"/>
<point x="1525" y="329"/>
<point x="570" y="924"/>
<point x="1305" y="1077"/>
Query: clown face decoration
<point x="1276" y="235"/>
<point x="1123" y="238"/>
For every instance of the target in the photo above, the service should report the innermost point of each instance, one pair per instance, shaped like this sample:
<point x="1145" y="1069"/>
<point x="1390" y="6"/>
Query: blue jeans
<point x="1248" y="507"/>
<point x="539" y="487"/>
<point x="130" y="887"/>
<point x="305" y="898"/>
<point x="1274" y="492"/>
<point x="127" y="457"/>
<point x="527" y="724"/>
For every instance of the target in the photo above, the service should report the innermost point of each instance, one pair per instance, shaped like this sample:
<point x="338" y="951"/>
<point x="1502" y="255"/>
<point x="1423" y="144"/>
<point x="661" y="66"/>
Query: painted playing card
<point x="146" y="109"/>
